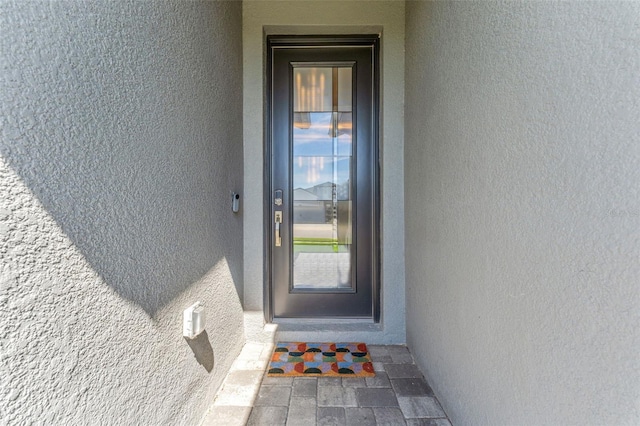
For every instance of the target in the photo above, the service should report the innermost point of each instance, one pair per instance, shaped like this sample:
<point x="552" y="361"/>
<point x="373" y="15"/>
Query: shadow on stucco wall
<point x="202" y="350"/>
<point x="130" y="136"/>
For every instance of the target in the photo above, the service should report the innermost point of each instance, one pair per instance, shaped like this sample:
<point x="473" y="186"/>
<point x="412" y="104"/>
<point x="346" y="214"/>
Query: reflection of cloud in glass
<point x="311" y="171"/>
<point x="312" y="135"/>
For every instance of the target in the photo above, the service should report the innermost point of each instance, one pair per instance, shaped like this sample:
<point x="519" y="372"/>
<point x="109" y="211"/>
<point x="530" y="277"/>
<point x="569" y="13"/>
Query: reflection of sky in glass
<point x="344" y="133"/>
<point x="311" y="171"/>
<point x="316" y="139"/>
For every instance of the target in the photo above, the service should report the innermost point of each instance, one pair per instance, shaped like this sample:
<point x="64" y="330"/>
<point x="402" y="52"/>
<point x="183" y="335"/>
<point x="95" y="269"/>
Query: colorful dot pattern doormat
<point x="321" y="359"/>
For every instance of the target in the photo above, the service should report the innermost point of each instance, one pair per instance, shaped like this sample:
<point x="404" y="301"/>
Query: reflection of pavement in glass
<point x="322" y="270"/>
<point x="313" y="230"/>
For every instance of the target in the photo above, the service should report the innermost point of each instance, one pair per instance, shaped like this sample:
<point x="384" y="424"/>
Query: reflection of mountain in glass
<point x="310" y="171"/>
<point x="323" y="191"/>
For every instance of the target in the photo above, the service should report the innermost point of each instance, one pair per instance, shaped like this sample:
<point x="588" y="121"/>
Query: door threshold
<point x="327" y="324"/>
<point x="323" y="320"/>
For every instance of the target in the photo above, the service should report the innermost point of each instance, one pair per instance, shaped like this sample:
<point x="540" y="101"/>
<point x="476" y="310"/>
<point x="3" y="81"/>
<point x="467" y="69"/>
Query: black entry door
<point x="323" y="195"/>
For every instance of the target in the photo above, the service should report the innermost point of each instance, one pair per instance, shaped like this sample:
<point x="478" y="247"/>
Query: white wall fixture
<point x="193" y="323"/>
<point x="235" y="202"/>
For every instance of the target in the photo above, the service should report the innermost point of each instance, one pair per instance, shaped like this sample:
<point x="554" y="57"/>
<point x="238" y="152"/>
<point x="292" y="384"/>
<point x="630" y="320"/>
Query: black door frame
<point x="275" y="41"/>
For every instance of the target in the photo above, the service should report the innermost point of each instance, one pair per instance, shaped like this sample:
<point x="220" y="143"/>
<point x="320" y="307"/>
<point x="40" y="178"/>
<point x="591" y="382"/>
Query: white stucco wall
<point x="522" y="162"/>
<point x="120" y="141"/>
<point x="329" y="17"/>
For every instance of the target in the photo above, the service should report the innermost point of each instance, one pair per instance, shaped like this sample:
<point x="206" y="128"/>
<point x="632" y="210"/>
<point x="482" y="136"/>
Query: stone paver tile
<point x="330" y="416"/>
<point x="369" y="397"/>
<point x="379" y="381"/>
<point x="246" y="364"/>
<point x="334" y="396"/>
<point x="354" y="382"/>
<point x="329" y="381"/>
<point x="402" y="358"/>
<point x="273" y="396"/>
<point x="411" y="387"/>
<point x="378" y="350"/>
<point x="277" y="381"/>
<point x="251" y="351"/>
<point x="226" y="415"/>
<point x="238" y="390"/>
<point x="302" y="411"/>
<point x="243" y="377"/>
<point x="403" y="371"/>
<point x="420" y="406"/>
<point x="235" y="397"/>
<point x="305" y="386"/>
<point x="360" y="417"/>
<point x="268" y="416"/>
<point x="267" y="353"/>
<point x="387" y="416"/>
<point x="378" y="366"/>
<point x="428" y="422"/>
<point x="397" y="349"/>
<point x="400" y="354"/>
<point x="382" y="358"/>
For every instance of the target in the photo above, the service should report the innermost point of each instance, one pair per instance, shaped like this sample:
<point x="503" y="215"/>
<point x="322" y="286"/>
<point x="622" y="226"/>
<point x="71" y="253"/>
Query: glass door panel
<point x="322" y="177"/>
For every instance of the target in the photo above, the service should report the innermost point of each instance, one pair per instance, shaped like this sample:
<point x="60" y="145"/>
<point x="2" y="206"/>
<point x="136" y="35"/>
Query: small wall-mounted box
<point x="193" y="321"/>
<point x="235" y="202"/>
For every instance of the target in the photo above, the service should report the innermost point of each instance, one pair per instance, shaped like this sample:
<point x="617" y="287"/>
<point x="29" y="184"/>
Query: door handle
<point x="278" y="221"/>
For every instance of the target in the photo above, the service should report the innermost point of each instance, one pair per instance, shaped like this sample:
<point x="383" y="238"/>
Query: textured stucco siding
<point x="120" y="142"/>
<point x="522" y="161"/>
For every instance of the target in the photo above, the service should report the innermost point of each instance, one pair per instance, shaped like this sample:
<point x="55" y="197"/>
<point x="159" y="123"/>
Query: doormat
<point x="321" y="359"/>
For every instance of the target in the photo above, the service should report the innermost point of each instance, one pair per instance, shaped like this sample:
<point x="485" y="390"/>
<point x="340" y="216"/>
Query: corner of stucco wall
<point x="120" y="142"/>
